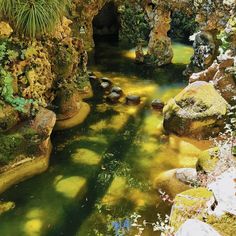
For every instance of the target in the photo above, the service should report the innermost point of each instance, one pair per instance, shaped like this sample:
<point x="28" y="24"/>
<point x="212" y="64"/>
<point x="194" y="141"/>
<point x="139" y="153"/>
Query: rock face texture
<point x="197" y="111"/>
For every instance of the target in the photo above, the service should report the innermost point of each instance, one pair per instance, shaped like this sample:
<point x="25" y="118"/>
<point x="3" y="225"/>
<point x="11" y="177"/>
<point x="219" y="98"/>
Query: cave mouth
<point x="106" y="24"/>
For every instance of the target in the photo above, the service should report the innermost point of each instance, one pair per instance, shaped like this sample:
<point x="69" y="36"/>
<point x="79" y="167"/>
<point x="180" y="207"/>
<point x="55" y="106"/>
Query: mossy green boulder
<point x="225" y="225"/>
<point x="208" y="160"/>
<point x="190" y="204"/>
<point x="197" y="111"/>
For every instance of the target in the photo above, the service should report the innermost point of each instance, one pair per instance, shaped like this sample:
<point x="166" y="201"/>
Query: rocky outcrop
<point x="198" y="111"/>
<point x="221" y="74"/>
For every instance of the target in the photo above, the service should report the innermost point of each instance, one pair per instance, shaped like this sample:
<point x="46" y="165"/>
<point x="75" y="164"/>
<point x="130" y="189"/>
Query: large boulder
<point x="197" y="111"/>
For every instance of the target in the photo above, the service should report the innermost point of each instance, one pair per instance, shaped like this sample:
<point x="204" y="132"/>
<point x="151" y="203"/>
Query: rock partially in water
<point x="113" y="97"/>
<point x="107" y="80"/>
<point x="133" y="100"/>
<point x="197" y="111"/>
<point x="195" y="227"/>
<point x="187" y="175"/>
<point x="117" y="90"/>
<point x="191" y="204"/>
<point x="105" y="86"/>
<point x="157" y="104"/>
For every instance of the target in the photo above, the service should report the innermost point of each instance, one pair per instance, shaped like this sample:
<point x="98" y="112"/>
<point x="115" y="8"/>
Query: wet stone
<point x="107" y="80"/>
<point x="113" y="97"/>
<point x="157" y="104"/>
<point x="105" y="85"/>
<point x="133" y="100"/>
<point x="117" y="90"/>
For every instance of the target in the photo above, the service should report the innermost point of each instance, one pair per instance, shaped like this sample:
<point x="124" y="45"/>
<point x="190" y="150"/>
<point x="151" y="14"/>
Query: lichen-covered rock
<point x="225" y="225"/>
<point x="191" y="204"/>
<point x="197" y="111"/>
<point x="208" y="160"/>
<point x="196" y="228"/>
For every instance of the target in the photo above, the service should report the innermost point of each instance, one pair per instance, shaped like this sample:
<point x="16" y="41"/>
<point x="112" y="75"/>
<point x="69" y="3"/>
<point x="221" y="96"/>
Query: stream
<point x="108" y="168"/>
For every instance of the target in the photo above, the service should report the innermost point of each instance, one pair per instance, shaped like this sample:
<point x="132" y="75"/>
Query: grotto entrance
<point x="106" y="24"/>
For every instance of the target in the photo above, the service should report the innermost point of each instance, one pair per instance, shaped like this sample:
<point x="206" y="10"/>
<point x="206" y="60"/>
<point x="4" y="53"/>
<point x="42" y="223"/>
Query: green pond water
<point x="112" y="165"/>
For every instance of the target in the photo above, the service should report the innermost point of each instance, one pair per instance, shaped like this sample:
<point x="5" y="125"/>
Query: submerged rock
<point x="105" y="86"/>
<point x="133" y="100"/>
<point x="197" y="111"/>
<point x="6" y="206"/>
<point x="196" y="228"/>
<point x="117" y="89"/>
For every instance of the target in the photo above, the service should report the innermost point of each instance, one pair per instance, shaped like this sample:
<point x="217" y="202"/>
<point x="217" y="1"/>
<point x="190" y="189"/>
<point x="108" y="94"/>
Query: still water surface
<point x="112" y="165"/>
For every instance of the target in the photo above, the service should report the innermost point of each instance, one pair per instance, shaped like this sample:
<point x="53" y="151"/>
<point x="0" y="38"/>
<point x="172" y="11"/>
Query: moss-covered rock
<point x="8" y="117"/>
<point x="191" y="204"/>
<point x="208" y="159"/>
<point x="197" y="111"/>
<point x="225" y="225"/>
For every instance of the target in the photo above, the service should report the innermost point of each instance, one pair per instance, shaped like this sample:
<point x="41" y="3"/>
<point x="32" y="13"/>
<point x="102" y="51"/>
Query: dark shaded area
<point x="106" y="24"/>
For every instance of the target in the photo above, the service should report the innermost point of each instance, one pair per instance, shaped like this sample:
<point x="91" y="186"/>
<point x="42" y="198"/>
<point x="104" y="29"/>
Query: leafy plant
<point x="33" y="17"/>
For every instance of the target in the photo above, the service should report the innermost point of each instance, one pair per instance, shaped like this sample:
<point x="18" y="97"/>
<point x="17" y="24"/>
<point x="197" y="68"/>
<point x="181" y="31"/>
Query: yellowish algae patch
<point x="71" y="187"/>
<point x="6" y="206"/>
<point x="191" y="204"/>
<point x="86" y="156"/>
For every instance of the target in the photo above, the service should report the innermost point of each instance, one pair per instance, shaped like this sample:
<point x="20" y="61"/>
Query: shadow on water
<point x="78" y="213"/>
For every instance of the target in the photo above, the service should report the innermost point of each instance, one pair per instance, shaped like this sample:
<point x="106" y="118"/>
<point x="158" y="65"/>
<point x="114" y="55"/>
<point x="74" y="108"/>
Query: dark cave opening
<point x="106" y="24"/>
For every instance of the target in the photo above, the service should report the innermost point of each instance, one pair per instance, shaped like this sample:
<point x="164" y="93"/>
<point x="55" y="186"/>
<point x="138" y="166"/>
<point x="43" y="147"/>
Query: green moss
<point x="208" y="160"/>
<point x="225" y="225"/>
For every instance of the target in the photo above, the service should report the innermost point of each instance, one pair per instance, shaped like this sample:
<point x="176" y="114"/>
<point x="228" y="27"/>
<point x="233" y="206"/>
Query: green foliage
<point x="182" y="26"/>
<point x="7" y="92"/>
<point x="134" y="23"/>
<point x="33" y="17"/>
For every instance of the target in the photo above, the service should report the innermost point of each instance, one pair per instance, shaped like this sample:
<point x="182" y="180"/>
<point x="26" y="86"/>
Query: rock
<point x="193" y="203"/>
<point x="157" y="104"/>
<point x="6" y="206"/>
<point x="5" y="30"/>
<point x="68" y="102"/>
<point x="225" y="61"/>
<point x="44" y="122"/>
<point x="113" y="97"/>
<point x="90" y="73"/>
<point x="224" y="191"/>
<point x="105" y="79"/>
<point x="207" y="160"/>
<point x="187" y="175"/>
<point x="133" y="100"/>
<point x="117" y="90"/>
<point x="106" y="86"/>
<point x="196" y="228"/>
<point x="197" y="111"/>
<point x="168" y="182"/>
<point x="9" y="117"/>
